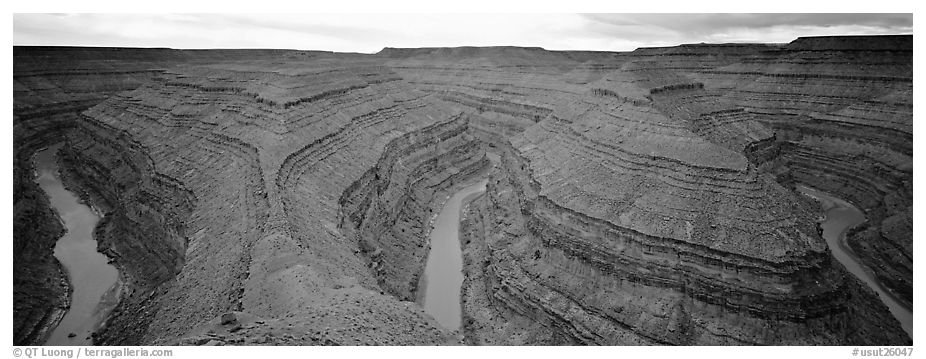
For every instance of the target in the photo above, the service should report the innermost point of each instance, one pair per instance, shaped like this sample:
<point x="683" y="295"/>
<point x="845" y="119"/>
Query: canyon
<point x="285" y="197"/>
<point x="89" y="273"/>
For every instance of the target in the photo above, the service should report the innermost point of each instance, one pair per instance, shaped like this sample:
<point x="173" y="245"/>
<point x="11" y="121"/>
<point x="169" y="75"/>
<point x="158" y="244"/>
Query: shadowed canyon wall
<point x="635" y="198"/>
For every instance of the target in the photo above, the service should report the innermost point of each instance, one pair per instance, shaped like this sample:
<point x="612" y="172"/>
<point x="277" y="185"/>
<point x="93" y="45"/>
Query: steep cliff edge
<point x="51" y="86"/>
<point x="622" y="174"/>
<point x="218" y="189"/>
<point x="40" y="285"/>
<point x="591" y="281"/>
<point x="392" y="204"/>
<point x="842" y="110"/>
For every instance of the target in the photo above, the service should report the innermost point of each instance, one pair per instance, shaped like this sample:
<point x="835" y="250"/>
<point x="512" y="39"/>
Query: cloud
<point x="680" y="28"/>
<point x="372" y="32"/>
<point x="709" y="23"/>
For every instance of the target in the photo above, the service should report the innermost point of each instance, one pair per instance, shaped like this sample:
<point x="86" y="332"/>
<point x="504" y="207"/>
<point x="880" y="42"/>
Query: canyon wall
<point x="631" y="160"/>
<point x="841" y="109"/>
<point x="51" y="86"/>
<point x="635" y="198"/>
<point x="392" y="204"/>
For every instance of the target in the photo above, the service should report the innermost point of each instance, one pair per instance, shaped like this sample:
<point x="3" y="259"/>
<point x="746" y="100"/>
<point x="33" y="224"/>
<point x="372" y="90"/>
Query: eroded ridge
<point x="842" y="110"/>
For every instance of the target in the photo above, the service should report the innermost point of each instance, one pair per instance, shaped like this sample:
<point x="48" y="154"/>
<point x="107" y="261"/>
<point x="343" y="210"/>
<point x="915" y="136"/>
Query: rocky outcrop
<point x="584" y="169"/>
<point x="188" y="197"/>
<point x="142" y="227"/>
<point x="593" y="282"/>
<point x="841" y="108"/>
<point x="391" y="205"/>
<point x="51" y="87"/>
<point x="265" y="223"/>
<point x="354" y="322"/>
<point x="853" y="43"/>
<point x="40" y="285"/>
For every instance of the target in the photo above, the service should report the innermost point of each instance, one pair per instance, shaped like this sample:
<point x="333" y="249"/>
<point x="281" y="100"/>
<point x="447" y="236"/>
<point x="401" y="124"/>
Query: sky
<point x="369" y="33"/>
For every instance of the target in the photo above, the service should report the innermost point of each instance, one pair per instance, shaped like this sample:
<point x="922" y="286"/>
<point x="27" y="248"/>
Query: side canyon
<point x="259" y="197"/>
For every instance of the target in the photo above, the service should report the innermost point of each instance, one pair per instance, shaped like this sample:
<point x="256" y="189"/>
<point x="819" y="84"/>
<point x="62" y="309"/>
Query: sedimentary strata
<point x="633" y="198"/>
<point x="51" y="87"/>
<point x="841" y="109"/>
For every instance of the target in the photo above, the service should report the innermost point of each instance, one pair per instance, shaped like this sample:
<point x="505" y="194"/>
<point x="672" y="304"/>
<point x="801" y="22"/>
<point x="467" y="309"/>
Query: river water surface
<point x="840" y="217"/>
<point x="89" y="272"/>
<point x="443" y="273"/>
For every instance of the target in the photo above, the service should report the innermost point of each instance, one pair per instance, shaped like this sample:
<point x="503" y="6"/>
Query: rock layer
<point x="51" y="86"/>
<point x="636" y="198"/>
<point x="842" y="110"/>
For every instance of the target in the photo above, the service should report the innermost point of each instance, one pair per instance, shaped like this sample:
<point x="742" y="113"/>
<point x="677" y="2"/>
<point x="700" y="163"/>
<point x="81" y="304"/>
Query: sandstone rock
<point x="229" y="318"/>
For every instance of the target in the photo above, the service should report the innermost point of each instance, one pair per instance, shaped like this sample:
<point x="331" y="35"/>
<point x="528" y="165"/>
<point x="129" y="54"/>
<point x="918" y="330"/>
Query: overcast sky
<point x="371" y="32"/>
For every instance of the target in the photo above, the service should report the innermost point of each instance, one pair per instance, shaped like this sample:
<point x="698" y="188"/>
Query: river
<point x="840" y="217"/>
<point x="89" y="272"/>
<point x="443" y="273"/>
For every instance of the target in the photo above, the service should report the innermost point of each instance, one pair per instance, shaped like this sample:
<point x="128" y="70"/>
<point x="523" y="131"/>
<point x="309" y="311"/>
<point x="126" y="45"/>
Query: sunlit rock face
<point x="633" y="198"/>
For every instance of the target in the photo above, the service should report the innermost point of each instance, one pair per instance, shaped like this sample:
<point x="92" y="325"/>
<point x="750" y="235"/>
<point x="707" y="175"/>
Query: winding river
<point x="443" y="273"/>
<point x="92" y="278"/>
<point x="840" y="217"/>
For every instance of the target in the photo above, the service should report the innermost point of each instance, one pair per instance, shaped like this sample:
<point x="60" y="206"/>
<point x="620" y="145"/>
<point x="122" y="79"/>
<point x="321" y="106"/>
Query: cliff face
<point x="51" y="86"/>
<point x="40" y="287"/>
<point x="269" y="170"/>
<point x="841" y="109"/>
<point x="637" y="198"/>
<point x="644" y="177"/>
<point x="142" y="228"/>
<point x="391" y="205"/>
